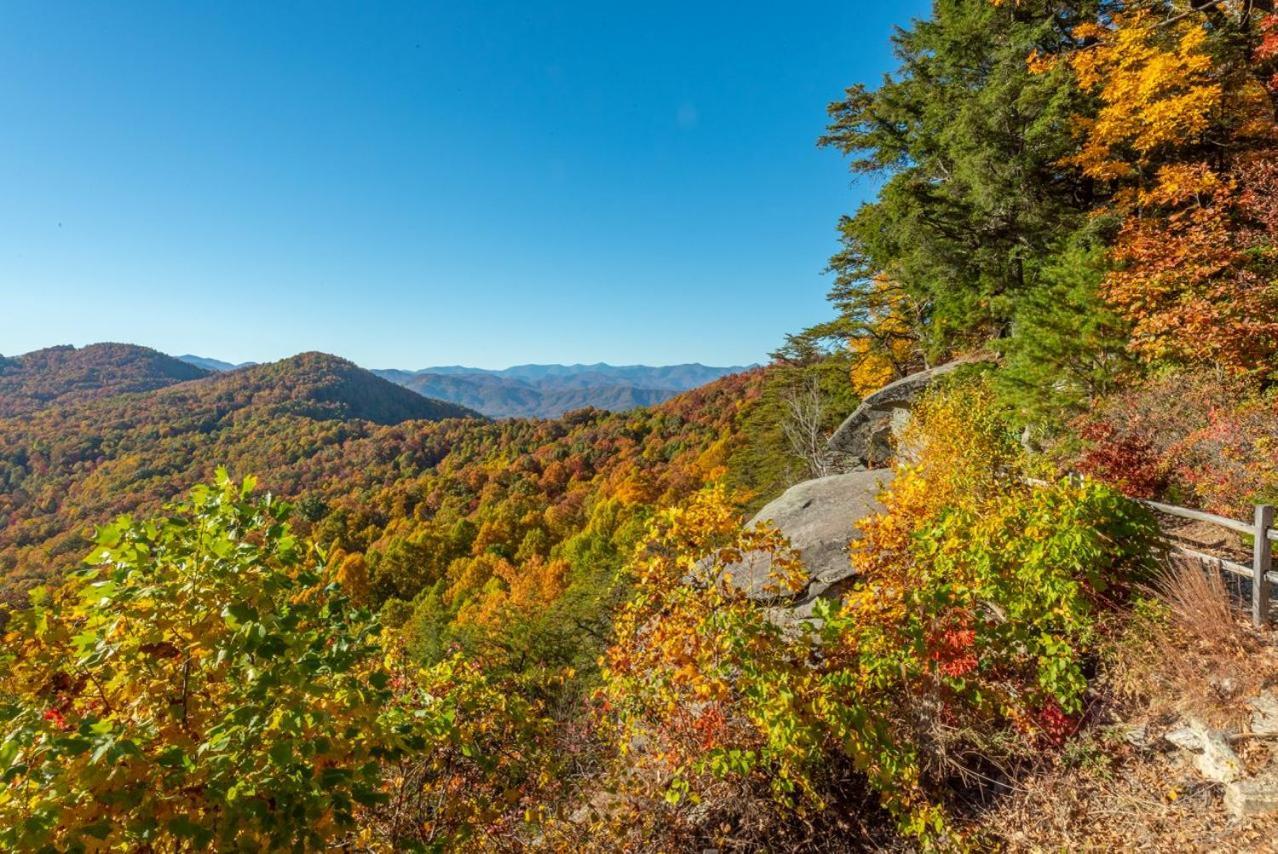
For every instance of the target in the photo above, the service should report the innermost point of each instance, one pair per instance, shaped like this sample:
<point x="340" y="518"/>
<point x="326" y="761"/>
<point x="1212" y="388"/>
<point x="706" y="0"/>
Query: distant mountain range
<point x="213" y="364"/>
<point x="541" y="391"/>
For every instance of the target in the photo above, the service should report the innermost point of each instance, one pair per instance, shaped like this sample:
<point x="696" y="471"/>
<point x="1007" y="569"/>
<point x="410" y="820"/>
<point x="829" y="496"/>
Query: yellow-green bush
<point x="207" y="682"/>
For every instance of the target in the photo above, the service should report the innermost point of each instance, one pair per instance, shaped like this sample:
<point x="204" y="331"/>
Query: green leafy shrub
<point x="207" y="682"/>
<point x="200" y="681"/>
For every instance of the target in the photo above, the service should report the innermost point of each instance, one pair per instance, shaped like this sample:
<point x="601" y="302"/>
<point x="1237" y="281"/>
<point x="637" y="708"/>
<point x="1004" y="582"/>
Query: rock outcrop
<point x="865" y="437"/>
<point x="819" y="517"/>
<point x="1247" y="794"/>
<point x="1254" y="796"/>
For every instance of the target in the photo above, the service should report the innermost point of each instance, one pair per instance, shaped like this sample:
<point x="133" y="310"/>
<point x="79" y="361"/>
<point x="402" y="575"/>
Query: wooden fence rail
<point x="1263" y="535"/>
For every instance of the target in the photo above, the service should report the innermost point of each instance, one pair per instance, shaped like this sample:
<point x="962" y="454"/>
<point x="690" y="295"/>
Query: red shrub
<point x="1200" y="440"/>
<point x="1128" y="463"/>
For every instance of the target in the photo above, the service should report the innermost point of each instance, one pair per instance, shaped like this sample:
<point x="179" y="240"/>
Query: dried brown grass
<point x="1145" y="801"/>
<point x="1204" y="654"/>
<point x="1200" y="608"/>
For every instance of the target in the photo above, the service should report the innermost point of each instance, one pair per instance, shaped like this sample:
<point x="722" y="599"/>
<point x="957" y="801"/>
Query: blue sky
<point x="409" y="184"/>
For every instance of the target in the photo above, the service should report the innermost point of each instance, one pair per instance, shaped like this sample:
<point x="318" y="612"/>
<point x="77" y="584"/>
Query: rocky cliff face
<point x="820" y="516"/>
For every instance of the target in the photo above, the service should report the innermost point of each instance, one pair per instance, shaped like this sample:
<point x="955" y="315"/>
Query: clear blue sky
<point x="409" y="184"/>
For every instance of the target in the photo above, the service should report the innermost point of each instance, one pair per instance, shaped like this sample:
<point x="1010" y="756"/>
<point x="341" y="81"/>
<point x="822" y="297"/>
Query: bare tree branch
<point x="804" y="415"/>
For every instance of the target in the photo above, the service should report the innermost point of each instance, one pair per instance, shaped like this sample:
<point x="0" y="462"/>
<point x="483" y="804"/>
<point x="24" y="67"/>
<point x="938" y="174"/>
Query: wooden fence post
<point x="1261" y="562"/>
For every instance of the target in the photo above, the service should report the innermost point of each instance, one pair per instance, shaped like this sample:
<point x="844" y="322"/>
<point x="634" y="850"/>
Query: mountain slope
<point x="303" y="425"/>
<point x="614" y="398"/>
<point x="74" y="462"/>
<point x="319" y="386"/>
<point x="67" y="374"/>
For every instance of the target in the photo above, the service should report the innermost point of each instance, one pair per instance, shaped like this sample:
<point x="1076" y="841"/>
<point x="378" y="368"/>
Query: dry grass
<point x="1188" y="650"/>
<point x="1140" y="801"/>
<point x="1204" y="659"/>
<point x="1200" y="608"/>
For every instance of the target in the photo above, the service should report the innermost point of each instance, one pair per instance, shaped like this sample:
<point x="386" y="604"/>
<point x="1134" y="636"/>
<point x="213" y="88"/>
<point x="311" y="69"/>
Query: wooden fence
<point x="1263" y="536"/>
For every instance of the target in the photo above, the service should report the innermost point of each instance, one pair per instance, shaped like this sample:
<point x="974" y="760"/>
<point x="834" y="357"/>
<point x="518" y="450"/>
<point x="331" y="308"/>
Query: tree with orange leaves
<point x="1184" y="136"/>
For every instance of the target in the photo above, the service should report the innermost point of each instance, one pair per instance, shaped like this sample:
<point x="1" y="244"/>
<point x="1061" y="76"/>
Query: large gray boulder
<point x="864" y="437"/>
<point x="819" y="517"/>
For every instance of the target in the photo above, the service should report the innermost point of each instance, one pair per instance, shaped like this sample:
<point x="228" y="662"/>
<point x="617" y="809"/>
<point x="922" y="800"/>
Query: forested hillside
<point x="65" y="375"/>
<point x="530" y="634"/>
<point x="317" y="428"/>
<point x="106" y="447"/>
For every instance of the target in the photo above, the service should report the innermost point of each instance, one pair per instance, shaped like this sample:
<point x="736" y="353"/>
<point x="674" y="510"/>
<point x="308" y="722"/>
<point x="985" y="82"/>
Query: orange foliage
<point x="1194" y="258"/>
<point x="886" y="344"/>
<point x="1267" y="50"/>
<point x="516" y="591"/>
<point x="1187" y="275"/>
<point x="352" y="574"/>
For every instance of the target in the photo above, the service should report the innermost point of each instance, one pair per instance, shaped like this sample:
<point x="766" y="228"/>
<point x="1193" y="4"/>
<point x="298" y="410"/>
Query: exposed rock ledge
<point x="819" y="517"/>
<point x="863" y="437"/>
